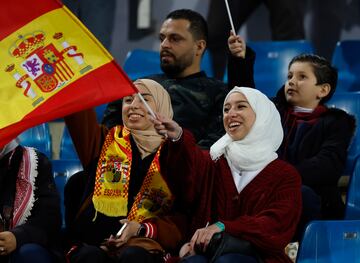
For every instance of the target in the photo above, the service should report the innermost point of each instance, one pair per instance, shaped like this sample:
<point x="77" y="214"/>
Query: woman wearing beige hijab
<point x="129" y="182"/>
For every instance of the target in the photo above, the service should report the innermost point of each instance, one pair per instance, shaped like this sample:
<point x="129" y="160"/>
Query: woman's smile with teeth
<point x="234" y="125"/>
<point x="134" y="116"/>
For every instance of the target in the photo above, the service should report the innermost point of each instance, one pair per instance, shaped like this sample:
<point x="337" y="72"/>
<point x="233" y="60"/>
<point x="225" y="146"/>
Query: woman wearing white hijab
<point x="256" y="197"/>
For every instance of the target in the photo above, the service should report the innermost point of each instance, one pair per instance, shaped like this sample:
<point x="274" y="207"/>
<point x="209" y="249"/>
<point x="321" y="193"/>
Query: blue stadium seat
<point x="349" y="102"/>
<point x="272" y="59"/>
<point x="62" y="170"/>
<point x="346" y="59"/>
<point x="352" y="211"/>
<point x="330" y="242"/>
<point x="39" y="138"/>
<point x="67" y="149"/>
<point x="141" y="63"/>
<point x="271" y="63"/>
<point x="206" y="64"/>
<point x="66" y="168"/>
<point x="100" y="112"/>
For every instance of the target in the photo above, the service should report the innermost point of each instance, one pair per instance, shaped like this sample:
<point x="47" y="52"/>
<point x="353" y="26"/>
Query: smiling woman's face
<point x="134" y="113"/>
<point x="239" y="117"/>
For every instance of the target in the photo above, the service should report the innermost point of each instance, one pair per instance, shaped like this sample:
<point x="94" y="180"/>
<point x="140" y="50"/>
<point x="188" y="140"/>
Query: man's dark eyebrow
<point x="173" y="34"/>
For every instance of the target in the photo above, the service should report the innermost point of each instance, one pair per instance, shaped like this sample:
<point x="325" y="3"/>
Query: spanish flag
<point x="50" y="66"/>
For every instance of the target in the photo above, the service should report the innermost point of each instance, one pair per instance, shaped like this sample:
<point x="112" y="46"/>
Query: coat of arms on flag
<point x="44" y="65"/>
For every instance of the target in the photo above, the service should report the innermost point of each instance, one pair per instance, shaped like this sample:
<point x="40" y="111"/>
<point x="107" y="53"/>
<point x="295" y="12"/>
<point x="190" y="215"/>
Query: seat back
<point x="272" y="60"/>
<point x="206" y="64"/>
<point x="349" y="102"/>
<point x="67" y="149"/>
<point x="141" y="63"/>
<point x="62" y="170"/>
<point x="353" y="195"/>
<point x="330" y="242"/>
<point x="346" y="59"/>
<point x="38" y="137"/>
<point x="100" y="112"/>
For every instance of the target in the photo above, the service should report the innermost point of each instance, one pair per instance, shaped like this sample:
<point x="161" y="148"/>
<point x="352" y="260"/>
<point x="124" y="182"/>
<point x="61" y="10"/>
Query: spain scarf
<point x="113" y="177"/>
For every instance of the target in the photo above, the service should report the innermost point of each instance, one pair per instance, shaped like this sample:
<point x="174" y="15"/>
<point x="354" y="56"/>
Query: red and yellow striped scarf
<point x="113" y="176"/>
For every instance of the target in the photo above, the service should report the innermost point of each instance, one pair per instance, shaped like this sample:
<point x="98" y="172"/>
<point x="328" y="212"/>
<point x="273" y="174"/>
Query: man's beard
<point x="175" y="69"/>
<point x="172" y="70"/>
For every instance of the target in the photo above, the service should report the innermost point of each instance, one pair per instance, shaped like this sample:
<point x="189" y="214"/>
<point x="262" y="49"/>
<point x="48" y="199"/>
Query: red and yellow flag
<point x="50" y="66"/>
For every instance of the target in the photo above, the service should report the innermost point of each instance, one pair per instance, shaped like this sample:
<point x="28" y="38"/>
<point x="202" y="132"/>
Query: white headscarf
<point x="259" y="146"/>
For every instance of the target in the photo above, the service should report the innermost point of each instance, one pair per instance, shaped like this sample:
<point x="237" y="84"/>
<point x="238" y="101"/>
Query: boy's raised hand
<point x="237" y="45"/>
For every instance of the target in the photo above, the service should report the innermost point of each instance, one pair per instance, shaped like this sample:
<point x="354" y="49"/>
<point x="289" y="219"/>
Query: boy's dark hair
<point x="198" y="26"/>
<point x="323" y="70"/>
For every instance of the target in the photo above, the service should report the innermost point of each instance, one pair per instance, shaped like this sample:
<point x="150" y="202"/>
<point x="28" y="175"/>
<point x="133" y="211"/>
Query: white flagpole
<point x="230" y="18"/>
<point x="147" y="105"/>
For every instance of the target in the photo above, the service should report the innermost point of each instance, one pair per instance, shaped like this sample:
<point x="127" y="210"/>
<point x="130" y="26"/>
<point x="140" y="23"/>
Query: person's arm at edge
<point x="241" y="70"/>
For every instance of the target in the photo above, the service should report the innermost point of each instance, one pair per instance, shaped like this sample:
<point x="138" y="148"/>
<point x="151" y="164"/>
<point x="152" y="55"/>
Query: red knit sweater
<point x="265" y="213"/>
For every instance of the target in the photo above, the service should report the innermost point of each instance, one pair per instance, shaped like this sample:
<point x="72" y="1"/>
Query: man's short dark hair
<point x="198" y="26"/>
<point x="323" y="71"/>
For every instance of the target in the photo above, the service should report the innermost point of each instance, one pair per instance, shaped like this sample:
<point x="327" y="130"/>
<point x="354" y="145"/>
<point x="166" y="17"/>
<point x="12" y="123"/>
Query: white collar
<point x="302" y="109"/>
<point x="242" y="178"/>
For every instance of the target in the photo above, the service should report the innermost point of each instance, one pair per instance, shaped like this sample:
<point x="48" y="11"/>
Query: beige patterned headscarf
<point x="148" y="141"/>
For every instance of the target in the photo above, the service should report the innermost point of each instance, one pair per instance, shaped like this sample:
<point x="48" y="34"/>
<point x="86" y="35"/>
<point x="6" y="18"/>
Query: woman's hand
<point x="202" y="237"/>
<point x="167" y="127"/>
<point x="237" y="45"/>
<point x="186" y="250"/>
<point x="7" y="243"/>
<point x="115" y="242"/>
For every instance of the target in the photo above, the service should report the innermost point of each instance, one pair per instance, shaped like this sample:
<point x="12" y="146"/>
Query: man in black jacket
<point x="197" y="99"/>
